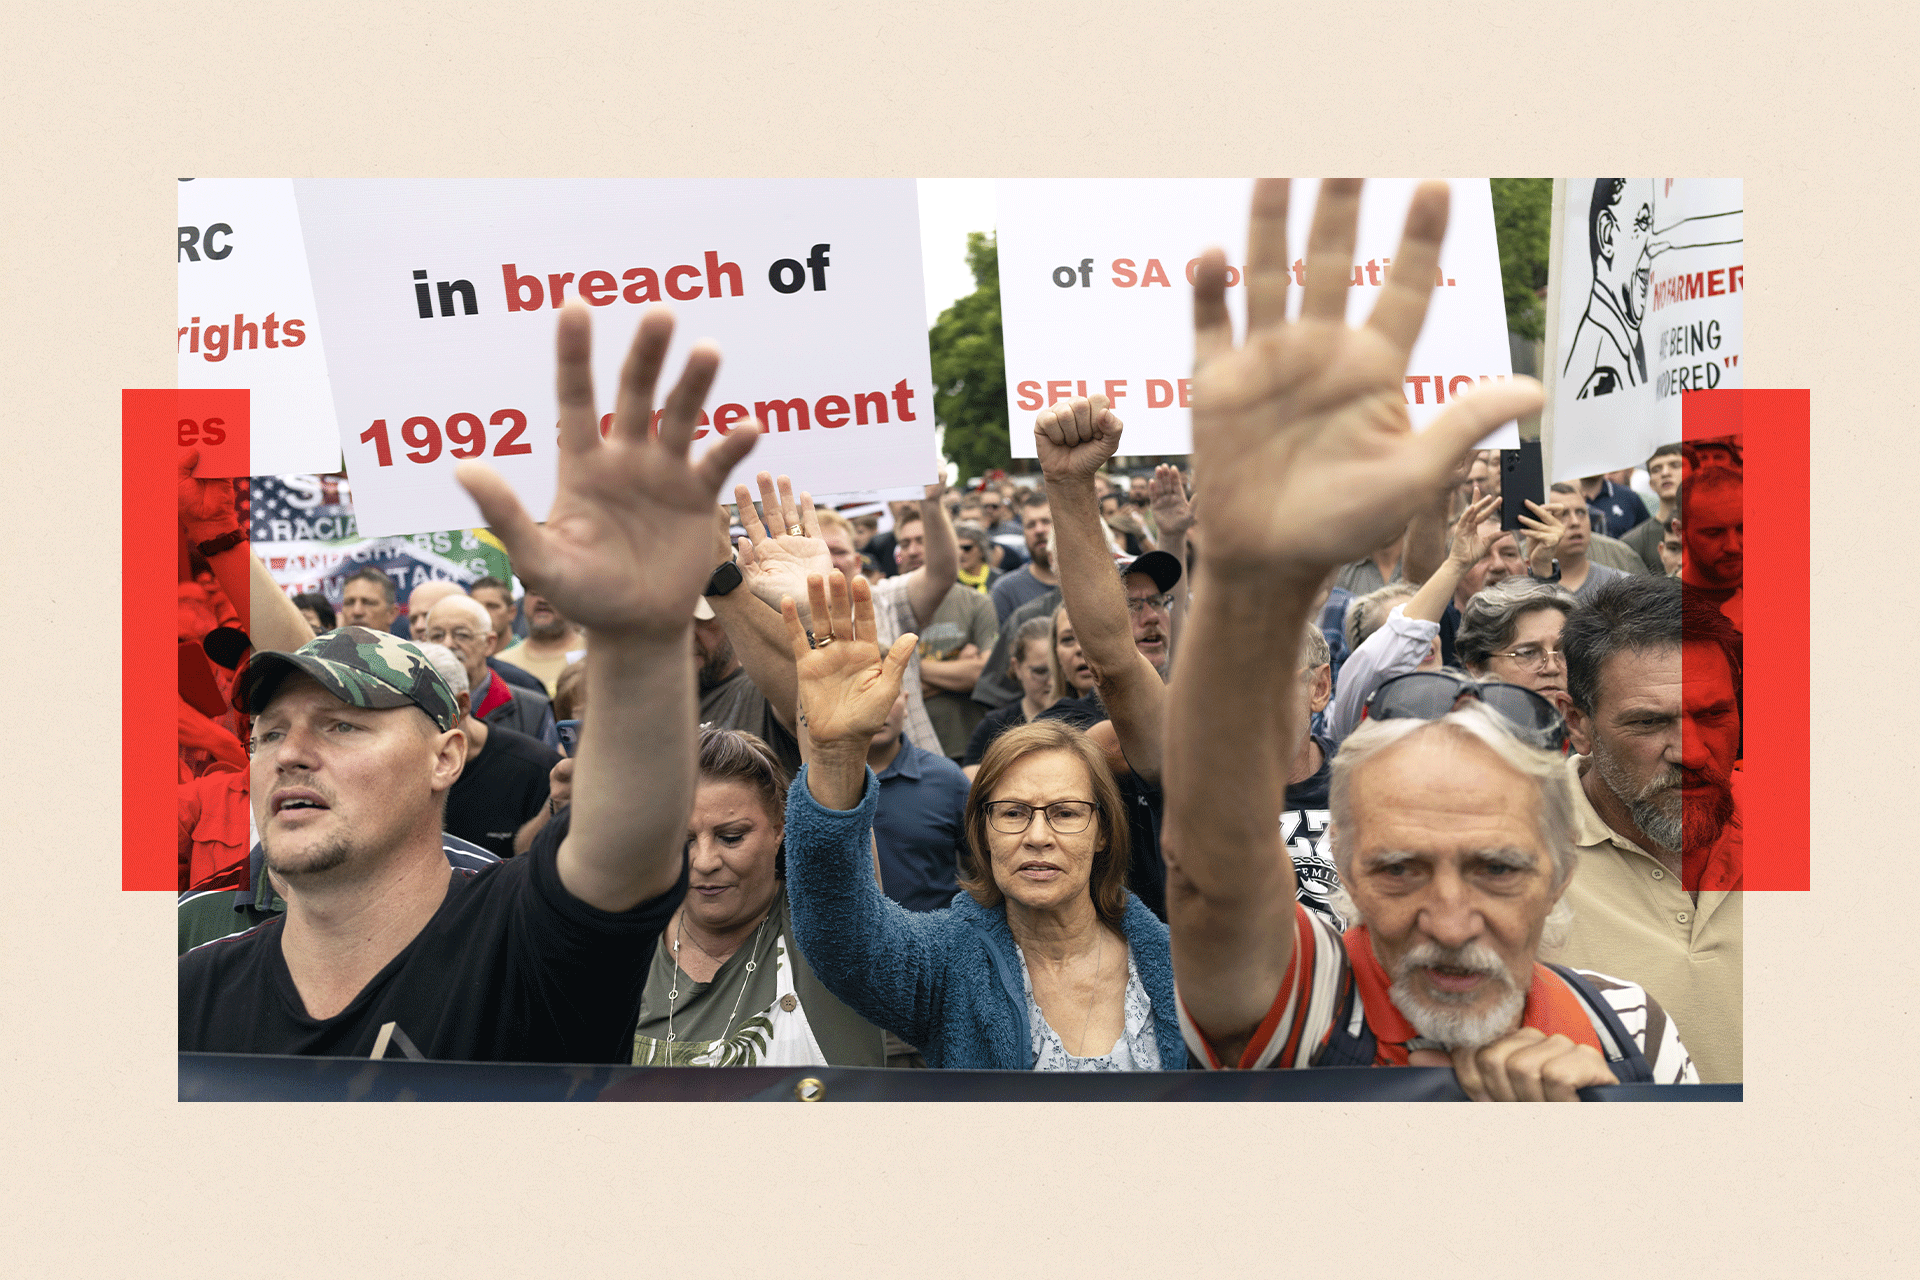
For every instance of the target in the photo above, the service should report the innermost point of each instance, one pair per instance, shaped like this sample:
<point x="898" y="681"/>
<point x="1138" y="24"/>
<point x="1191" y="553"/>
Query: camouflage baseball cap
<point x="361" y="667"/>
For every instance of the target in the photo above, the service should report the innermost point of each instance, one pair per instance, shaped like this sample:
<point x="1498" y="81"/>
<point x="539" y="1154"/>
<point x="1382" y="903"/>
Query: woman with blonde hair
<point x="1044" y="961"/>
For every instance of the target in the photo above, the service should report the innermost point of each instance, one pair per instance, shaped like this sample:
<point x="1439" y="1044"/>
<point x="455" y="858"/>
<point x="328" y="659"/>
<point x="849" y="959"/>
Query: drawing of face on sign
<point x="1608" y="352"/>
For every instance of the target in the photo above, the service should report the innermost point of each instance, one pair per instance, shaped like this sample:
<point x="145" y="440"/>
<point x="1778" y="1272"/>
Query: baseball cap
<point x="1162" y="566"/>
<point x="361" y="667"/>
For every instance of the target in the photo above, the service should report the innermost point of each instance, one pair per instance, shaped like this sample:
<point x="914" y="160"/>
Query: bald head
<point x="423" y="597"/>
<point x="463" y="625"/>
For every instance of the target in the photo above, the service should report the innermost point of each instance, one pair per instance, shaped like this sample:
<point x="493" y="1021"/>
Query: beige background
<point x="104" y="1174"/>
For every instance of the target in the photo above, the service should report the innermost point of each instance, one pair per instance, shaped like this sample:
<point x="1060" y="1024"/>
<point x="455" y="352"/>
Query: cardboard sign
<point x="1645" y="305"/>
<point x="247" y="321"/>
<point x="1096" y="290"/>
<point x="440" y="299"/>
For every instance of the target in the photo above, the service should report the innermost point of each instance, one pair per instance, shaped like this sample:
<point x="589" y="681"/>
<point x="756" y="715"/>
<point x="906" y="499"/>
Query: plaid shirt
<point x="893" y="617"/>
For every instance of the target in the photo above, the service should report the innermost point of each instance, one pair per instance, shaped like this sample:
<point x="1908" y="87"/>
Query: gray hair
<point x="1488" y="622"/>
<point x="1545" y="769"/>
<point x="1636" y="614"/>
<point x="447" y="664"/>
<point x="1314" y="649"/>
<point x="1367" y="613"/>
<point x="475" y="611"/>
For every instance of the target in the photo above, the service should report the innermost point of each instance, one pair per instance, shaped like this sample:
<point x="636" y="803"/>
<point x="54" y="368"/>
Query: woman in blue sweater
<point x="1044" y="961"/>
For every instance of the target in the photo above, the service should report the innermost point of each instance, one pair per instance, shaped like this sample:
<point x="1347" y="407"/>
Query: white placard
<point x="1097" y="298"/>
<point x="247" y="318"/>
<point x="1649" y="284"/>
<point x="439" y="297"/>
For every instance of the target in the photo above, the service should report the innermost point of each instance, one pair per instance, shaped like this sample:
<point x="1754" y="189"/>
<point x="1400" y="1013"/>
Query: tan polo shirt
<point x="1632" y="919"/>
<point x="547" y="670"/>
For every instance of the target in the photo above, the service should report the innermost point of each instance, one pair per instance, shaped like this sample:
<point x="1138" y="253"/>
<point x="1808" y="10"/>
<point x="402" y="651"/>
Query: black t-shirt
<point x="996" y="723"/>
<point x="1303" y="826"/>
<point x="1081" y="713"/>
<point x="1146" y="871"/>
<point x="1449" y="628"/>
<point x="500" y="790"/>
<point x="511" y="968"/>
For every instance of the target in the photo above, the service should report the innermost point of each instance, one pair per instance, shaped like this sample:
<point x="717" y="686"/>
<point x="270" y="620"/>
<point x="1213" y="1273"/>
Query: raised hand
<point x="1544" y="532"/>
<point x="628" y="543"/>
<point x="847" y="684"/>
<point x="1127" y="520"/>
<point x="206" y="506"/>
<point x="1167" y="499"/>
<point x="1075" y="438"/>
<point x="1471" y="537"/>
<point x="1301" y="436"/>
<point x="775" y="563"/>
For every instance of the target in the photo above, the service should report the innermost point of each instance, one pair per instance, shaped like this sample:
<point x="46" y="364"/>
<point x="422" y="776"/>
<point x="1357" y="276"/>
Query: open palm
<point x="848" y="683"/>
<point x="774" y="560"/>
<point x="628" y="544"/>
<point x="1301" y="436"/>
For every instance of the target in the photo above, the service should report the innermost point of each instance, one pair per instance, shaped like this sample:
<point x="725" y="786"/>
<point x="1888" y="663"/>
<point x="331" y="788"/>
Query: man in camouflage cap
<point x="540" y="958"/>
<point x="372" y="670"/>
<point x="370" y="788"/>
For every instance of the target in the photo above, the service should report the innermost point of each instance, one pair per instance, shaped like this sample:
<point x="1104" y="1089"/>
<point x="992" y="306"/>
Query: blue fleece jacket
<point x="947" y="982"/>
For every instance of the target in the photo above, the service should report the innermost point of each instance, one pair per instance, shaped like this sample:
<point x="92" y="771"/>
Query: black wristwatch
<point x="225" y="542"/>
<point x="1554" y="577"/>
<point x="724" y="579"/>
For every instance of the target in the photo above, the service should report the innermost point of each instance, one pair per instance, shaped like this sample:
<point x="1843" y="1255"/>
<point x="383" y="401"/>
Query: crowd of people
<point x="1295" y="759"/>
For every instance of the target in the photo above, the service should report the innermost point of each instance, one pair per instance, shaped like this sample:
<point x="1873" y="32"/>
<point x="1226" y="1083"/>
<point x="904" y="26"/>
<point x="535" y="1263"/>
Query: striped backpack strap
<point x="1350" y="1041"/>
<point x="1622" y="1050"/>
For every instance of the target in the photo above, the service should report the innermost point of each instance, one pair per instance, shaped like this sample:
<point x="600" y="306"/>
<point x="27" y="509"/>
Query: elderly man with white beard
<point x="1654" y="686"/>
<point x="1452" y="834"/>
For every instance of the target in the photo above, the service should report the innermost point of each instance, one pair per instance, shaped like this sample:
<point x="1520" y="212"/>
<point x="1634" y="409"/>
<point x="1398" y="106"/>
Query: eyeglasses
<point x="1429" y="695"/>
<point x="1533" y="656"/>
<point x="462" y="636"/>
<point x="1140" y="604"/>
<point x="1065" y="817"/>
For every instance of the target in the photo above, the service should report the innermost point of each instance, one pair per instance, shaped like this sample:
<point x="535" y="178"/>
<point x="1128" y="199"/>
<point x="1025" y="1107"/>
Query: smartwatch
<point x="724" y="579"/>
<point x="225" y="542"/>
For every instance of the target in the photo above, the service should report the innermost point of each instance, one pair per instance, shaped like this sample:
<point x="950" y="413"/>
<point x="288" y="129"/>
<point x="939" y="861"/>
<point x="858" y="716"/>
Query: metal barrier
<point x="221" y="1077"/>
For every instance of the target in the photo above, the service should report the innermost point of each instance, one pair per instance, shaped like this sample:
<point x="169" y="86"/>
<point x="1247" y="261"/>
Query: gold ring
<point x="795" y="530"/>
<point x="821" y="642"/>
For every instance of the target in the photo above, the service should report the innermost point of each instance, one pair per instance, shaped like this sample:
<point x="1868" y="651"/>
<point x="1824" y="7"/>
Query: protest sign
<point x="1096" y="294"/>
<point x="1644" y="305"/>
<point x="247" y="321"/>
<point x="440" y="299"/>
<point x="304" y="530"/>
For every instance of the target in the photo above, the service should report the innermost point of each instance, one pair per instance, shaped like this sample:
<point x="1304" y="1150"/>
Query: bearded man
<point x="1655" y="717"/>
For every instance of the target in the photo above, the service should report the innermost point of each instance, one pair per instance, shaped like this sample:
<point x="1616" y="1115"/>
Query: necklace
<point x="1100" y="950"/>
<point x="673" y="992"/>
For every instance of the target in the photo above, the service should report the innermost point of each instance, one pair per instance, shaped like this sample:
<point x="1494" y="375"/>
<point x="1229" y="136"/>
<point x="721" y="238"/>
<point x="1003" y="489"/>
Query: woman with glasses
<point x="1044" y="961"/>
<point x="1511" y="633"/>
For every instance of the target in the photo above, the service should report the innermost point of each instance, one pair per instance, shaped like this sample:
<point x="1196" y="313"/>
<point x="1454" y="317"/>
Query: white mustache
<point x="1474" y="958"/>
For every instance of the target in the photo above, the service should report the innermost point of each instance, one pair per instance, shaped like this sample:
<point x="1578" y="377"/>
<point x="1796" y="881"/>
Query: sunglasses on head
<point x="1429" y="695"/>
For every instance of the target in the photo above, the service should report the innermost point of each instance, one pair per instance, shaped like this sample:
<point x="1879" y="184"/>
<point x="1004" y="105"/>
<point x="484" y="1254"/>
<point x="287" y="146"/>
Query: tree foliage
<point x="1522" y="223"/>
<point x="969" y="367"/>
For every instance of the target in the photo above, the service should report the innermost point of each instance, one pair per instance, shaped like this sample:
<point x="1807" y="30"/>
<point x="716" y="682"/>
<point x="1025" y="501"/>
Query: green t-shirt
<point x="738" y="1004"/>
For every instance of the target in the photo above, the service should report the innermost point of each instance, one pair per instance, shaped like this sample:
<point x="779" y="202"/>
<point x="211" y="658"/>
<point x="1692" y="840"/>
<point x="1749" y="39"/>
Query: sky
<point x="949" y="208"/>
